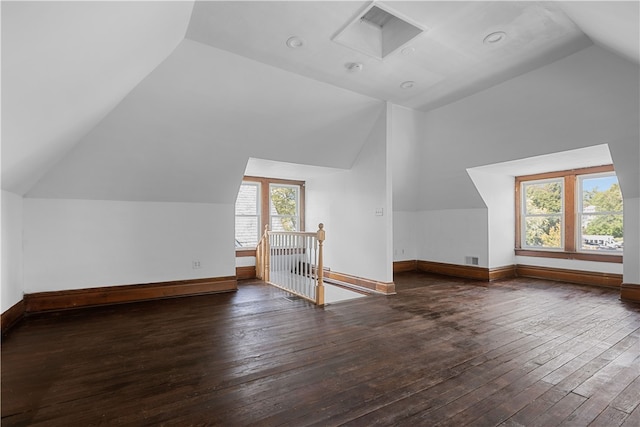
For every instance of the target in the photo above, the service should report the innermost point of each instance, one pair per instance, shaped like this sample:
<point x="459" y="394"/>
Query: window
<point x="573" y="214"/>
<point x="262" y="201"/>
<point x="248" y="215"/>
<point x="542" y="214"/>
<point x="600" y="212"/>
<point x="284" y="201"/>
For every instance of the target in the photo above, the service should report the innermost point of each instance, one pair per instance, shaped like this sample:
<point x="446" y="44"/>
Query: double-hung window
<point x="543" y="214"/>
<point x="284" y="207"/>
<point x="574" y="214"/>
<point x="600" y="213"/>
<point x="248" y="215"/>
<point x="278" y="203"/>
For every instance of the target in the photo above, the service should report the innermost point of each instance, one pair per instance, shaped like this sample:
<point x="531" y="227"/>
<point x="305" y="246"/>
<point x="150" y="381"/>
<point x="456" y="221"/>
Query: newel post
<point x="320" y="288"/>
<point x="267" y="253"/>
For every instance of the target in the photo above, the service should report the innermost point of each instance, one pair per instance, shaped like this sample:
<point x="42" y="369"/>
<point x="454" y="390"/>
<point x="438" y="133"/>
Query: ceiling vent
<point x="378" y="32"/>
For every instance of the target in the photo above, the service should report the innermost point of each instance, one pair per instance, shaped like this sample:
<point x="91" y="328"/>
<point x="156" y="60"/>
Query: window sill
<point x="582" y="256"/>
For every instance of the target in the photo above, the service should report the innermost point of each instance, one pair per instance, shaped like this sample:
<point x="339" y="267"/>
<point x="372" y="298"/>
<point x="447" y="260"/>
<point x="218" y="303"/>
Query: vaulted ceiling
<point x="66" y="65"/>
<point x="178" y="95"/>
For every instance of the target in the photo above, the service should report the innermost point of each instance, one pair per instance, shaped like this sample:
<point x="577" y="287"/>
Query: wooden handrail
<point x="294" y="233"/>
<point x="283" y="254"/>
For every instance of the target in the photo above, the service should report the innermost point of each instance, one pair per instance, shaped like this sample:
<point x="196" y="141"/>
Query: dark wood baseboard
<point x="59" y="300"/>
<point x="248" y="272"/>
<point x="12" y="316"/>
<point x="609" y="280"/>
<point x="404" y="266"/>
<point x="374" y="285"/>
<point x="630" y="292"/>
<point x="505" y="272"/>
<point x="455" y="270"/>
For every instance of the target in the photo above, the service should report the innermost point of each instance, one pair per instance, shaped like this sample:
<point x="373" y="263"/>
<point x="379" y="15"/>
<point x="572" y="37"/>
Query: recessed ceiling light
<point x="407" y="85"/>
<point x="495" y="37"/>
<point x="408" y="50"/>
<point x="295" y="42"/>
<point x="354" y="67"/>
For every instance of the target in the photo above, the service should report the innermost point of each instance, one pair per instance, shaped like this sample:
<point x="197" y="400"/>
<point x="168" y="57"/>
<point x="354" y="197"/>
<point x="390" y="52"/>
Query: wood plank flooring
<point x="442" y="352"/>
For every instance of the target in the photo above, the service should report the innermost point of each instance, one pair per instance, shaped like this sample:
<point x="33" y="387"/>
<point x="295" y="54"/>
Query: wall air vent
<point x="378" y="32"/>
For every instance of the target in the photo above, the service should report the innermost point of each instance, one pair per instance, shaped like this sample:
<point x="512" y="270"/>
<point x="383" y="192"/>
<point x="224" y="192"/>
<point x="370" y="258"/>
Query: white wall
<point x="72" y="244"/>
<point x="12" y="284"/>
<point x="586" y="99"/>
<point x="501" y="216"/>
<point x="246" y="261"/>
<point x="632" y="241"/>
<point x="405" y="238"/>
<point x="404" y="137"/>
<point x="497" y="193"/>
<point x="598" y="267"/>
<point x="358" y="242"/>
<point x="626" y="163"/>
<point x="450" y="235"/>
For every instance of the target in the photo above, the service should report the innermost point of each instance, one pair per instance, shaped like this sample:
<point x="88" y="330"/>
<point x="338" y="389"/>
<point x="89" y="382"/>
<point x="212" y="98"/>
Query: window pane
<point x="602" y="232"/>
<point x="543" y="232"/>
<point x="543" y="198"/>
<point x="247" y="215"/>
<point x="247" y="200"/>
<point x="542" y="217"/>
<point x="247" y="231"/>
<point x="601" y="220"/>
<point x="284" y="223"/>
<point x="284" y="200"/>
<point x="601" y="194"/>
<point x="284" y="207"/>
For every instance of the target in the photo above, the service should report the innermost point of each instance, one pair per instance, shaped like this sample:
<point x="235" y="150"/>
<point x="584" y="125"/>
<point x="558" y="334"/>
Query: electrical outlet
<point x="196" y="265"/>
<point x="379" y="211"/>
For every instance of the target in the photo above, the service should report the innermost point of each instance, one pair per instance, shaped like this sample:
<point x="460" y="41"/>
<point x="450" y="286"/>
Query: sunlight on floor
<point x="336" y="294"/>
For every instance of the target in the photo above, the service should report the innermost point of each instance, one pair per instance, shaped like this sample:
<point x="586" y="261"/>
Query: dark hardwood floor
<point x="442" y="351"/>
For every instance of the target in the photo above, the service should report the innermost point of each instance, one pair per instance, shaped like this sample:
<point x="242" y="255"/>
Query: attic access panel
<point x="378" y="32"/>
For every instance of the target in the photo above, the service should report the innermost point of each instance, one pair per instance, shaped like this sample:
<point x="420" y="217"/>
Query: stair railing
<point x="293" y="261"/>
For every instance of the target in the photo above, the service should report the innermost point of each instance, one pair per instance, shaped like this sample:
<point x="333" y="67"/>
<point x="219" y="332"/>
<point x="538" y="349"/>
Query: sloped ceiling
<point x="186" y="132"/>
<point x="65" y="65"/>
<point x="85" y="115"/>
<point x="614" y="25"/>
<point x="586" y="99"/>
